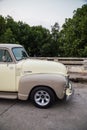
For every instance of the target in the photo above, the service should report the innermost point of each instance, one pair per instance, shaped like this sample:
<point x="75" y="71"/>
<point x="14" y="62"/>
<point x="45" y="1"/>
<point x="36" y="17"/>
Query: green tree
<point x="8" y="37"/>
<point x="39" y="41"/>
<point x="73" y="36"/>
<point x="2" y="25"/>
<point x="55" y="45"/>
<point x="39" y="36"/>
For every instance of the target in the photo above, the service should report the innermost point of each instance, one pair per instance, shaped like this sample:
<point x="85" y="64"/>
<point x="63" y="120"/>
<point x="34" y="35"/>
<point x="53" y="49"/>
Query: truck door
<point x="7" y="71"/>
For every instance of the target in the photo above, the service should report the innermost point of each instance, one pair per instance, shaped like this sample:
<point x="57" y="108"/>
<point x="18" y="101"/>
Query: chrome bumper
<point x="69" y="91"/>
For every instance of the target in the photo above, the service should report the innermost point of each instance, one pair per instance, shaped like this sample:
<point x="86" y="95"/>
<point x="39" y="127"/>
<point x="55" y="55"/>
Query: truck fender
<point x="28" y="82"/>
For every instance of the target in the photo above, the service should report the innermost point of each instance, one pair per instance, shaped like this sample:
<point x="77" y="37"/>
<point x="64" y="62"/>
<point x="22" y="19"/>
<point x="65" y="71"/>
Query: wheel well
<point x="45" y="87"/>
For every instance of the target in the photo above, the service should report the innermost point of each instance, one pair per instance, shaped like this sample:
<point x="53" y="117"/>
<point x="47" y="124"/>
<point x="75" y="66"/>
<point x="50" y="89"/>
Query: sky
<point x="40" y="12"/>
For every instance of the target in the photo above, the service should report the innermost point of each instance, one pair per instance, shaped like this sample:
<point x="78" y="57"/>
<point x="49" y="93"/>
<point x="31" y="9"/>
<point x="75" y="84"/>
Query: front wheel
<point x="42" y="97"/>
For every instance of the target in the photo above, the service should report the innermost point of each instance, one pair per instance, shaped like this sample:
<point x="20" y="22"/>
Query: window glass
<point x="1" y="55"/>
<point x="5" y="56"/>
<point x="19" y="53"/>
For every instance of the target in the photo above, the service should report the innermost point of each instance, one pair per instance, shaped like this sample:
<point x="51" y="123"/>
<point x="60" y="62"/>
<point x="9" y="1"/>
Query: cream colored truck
<point x="23" y="78"/>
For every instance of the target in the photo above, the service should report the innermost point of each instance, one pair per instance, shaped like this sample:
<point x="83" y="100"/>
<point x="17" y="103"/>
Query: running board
<point x="8" y="95"/>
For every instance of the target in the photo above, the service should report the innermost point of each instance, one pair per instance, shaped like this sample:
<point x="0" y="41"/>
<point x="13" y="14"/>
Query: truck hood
<point x="40" y="66"/>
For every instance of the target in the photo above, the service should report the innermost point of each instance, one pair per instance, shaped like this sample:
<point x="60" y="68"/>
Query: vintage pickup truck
<point x="23" y="78"/>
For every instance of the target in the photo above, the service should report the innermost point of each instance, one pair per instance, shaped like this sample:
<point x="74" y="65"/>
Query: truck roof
<point x="7" y="45"/>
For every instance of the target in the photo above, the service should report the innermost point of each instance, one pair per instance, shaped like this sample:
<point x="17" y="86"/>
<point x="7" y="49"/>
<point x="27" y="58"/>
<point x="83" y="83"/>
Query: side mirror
<point x="4" y="59"/>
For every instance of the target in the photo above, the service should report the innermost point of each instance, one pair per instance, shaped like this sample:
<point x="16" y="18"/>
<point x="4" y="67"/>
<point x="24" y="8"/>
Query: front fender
<point x="54" y="81"/>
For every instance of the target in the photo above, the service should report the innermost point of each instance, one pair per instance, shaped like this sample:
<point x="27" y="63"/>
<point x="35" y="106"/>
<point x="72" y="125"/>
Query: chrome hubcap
<point x="42" y="98"/>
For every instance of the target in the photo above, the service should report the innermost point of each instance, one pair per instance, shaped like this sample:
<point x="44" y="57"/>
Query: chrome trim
<point x="69" y="91"/>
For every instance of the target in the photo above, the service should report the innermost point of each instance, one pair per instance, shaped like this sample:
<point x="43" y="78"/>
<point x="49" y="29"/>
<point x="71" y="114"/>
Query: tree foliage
<point x="73" y="36"/>
<point x="38" y="41"/>
<point x="71" y="40"/>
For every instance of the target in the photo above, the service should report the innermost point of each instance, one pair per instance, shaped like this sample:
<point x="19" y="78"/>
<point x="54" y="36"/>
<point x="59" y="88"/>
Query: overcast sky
<point x="40" y="12"/>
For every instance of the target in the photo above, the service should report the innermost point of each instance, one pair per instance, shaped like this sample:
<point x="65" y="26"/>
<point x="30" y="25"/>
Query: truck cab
<point x="22" y="77"/>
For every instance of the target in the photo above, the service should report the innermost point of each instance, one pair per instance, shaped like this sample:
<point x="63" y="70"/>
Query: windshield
<point x="19" y="53"/>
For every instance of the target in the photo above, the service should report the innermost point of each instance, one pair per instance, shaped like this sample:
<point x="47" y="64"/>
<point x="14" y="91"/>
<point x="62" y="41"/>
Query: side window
<point x="1" y="55"/>
<point x="5" y="56"/>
